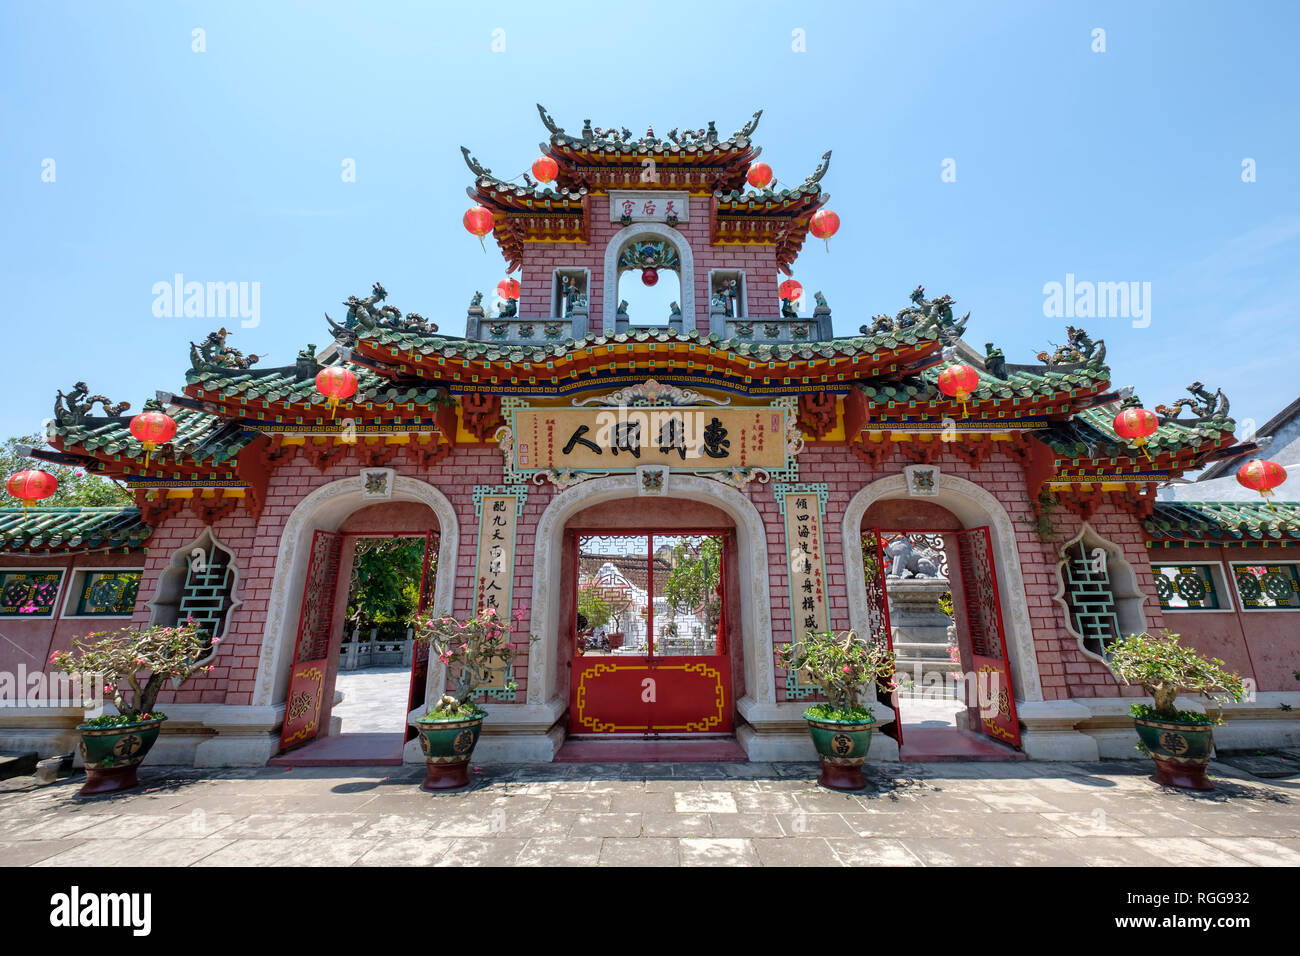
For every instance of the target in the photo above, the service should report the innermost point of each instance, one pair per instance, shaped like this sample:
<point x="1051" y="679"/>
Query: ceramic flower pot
<point x="1180" y="749"/>
<point x="112" y="754"/>
<point x="448" y="743"/>
<point x="842" y="746"/>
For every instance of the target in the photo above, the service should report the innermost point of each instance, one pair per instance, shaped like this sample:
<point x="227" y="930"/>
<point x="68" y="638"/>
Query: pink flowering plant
<point x="844" y="667"/>
<point x="142" y="660"/>
<point x="474" y="651"/>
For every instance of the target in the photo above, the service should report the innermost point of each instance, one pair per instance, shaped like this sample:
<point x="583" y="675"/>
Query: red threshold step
<point x="936" y="744"/>
<point x="345" y="750"/>
<point x="717" y="750"/>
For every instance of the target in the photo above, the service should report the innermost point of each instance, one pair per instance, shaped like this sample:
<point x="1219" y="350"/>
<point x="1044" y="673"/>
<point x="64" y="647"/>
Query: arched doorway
<point x="940" y="575"/>
<point x="631" y="251"/>
<point x="306" y="617"/>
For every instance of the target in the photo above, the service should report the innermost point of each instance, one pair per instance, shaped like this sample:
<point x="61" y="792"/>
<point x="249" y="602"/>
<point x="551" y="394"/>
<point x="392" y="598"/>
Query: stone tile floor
<point x="374" y="700"/>
<point x="749" y="814"/>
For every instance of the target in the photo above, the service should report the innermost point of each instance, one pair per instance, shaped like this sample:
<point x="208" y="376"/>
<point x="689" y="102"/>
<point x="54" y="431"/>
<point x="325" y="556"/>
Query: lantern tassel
<point x="827" y="240"/>
<point x="1267" y="493"/>
<point x="482" y="245"/>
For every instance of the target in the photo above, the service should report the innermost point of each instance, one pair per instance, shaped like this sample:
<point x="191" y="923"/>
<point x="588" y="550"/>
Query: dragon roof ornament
<point x="623" y="138"/>
<point x="1202" y="404"/>
<point x="75" y="406"/>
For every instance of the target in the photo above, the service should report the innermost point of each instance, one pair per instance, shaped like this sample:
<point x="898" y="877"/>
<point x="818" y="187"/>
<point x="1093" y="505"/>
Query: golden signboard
<point x="688" y="438"/>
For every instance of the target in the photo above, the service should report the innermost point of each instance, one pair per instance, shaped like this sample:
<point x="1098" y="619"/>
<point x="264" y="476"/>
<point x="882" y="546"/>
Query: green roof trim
<point x="200" y="436"/>
<point x="1091" y="435"/>
<point x="286" y="385"/>
<point x="71" y="530"/>
<point x="1017" y="384"/>
<point x="1213" y="523"/>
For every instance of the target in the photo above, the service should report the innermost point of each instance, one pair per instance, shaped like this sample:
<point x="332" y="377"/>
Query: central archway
<point x="686" y="270"/>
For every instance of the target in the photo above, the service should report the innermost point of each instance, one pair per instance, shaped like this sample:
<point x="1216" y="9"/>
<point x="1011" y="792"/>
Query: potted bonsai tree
<point x="114" y="745"/>
<point x="1179" y="741"/>
<point x="473" y="650"/>
<point x="843" y="667"/>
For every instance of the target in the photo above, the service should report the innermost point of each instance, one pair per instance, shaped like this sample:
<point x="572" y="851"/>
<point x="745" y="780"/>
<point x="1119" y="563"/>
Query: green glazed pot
<point x="448" y="744"/>
<point x="842" y="746"/>
<point x="1180" y="749"/>
<point x="112" y="754"/>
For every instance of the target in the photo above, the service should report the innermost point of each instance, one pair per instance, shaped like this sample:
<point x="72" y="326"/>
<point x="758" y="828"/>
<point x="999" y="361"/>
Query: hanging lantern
<point x="31" y="485"/>
<point x="959" y="382"/>
<point x="152" y="429"/>
<point x="649" y="276"/>
<point x="479" y="221"/>
<point x="508" y="289"/>
<point x="759" y="175"/>
<point x="790" y="289"/>
<point x="1262" y="476"/>
<point x="1136" y="425"/>
<point x="545" y="170"/>
<point x="336" y="383"/>
<point x="824" y="225"/>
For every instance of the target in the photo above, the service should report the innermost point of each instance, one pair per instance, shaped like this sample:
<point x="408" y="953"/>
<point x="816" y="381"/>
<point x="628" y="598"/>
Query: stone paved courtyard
<point x="1104" y="814"/>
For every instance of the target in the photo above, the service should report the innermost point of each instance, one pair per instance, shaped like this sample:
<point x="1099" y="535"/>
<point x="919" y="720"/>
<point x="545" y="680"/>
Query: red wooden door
<point x="311" y="651"/>
<point x="420" y="654"/>
<point x="997" y="699"/>
<point x="873" y="566"/>
<point x="664" y="670"/>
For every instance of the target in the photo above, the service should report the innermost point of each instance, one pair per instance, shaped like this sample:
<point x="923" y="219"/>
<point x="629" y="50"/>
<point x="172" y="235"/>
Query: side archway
<point x="609" y="300"/>
<point x="974" y="507"/>
<point x="325" y="509"/>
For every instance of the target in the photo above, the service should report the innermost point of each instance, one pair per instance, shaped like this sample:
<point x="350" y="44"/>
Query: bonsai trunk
<point x="1164" y="696"/>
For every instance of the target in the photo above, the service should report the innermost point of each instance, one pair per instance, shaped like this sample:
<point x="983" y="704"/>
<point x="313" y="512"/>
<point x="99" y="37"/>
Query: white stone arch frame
<point x="1129" y="598"/>
<point x="609" y="301"/>
<point x="325" y="509"/>
<point x="751" y="562"/>
<point x="973" y="507"/>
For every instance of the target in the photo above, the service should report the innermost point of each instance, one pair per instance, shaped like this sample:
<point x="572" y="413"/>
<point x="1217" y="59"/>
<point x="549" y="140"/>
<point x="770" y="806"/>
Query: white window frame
<point x="54" y="614"/>
<point x="1254" y="564"/>
<point x="742" y="298"/>
<point x="556" y="308"/>
<point x="1217" y="572"/>
<point x="76" y="580"/>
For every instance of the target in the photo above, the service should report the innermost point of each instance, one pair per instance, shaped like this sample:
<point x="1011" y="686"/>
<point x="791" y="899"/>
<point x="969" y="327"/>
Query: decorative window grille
<point x="205" y="596"/>
<point x="107" y="593"/>
<point x="1272" y="587"/>
<point x="29" y="593"/>
<point x="1089" y="598"/>
<point x="1187" y="587"/>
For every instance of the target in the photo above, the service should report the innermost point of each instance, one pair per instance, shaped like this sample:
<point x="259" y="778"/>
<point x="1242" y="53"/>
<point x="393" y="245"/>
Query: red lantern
<point x="649" y="276"/>
<point x="31" y="485"/>
<point x="545" y="170"/>
<point x="336" y="383"/>
<point x="152" y="429"/>
<point x="1136" y="425"/>
<point x="790" y="289"/>
<point x="759" y="175"/>
<point x="959" y="382"/>
<point x="508" y="289"/>
<point x="479" y="221"/>
<point x="1262" y="476"/>
<point x="824" y="225"/>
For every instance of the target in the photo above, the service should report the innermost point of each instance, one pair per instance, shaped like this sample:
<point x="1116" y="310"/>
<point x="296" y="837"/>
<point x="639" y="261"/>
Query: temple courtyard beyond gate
<point x="1028" y="813"/>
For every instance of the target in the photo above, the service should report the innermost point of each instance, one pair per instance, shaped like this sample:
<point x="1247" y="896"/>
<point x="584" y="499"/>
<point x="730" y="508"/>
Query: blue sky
<point x="226" y="165"/>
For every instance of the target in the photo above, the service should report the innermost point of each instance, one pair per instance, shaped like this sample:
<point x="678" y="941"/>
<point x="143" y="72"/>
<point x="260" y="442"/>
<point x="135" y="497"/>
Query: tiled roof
<point x="1091" y="434"/>
<point x="1019" y="387"/>
<point x="70" y="530"/>
<point x="285" y="385"/>
<point x="1224" y="522"/>
<point x="199" y="436"/>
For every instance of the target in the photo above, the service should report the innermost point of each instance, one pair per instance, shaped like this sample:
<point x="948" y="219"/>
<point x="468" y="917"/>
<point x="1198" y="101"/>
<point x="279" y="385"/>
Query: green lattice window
<point x="205" y="596"/>
<point x="1273" y="587"/>
<point x="1089" y="598"/>
<point x="1187" y="587"/>
<point x="29" y="593"/>
<point x="106" y="593"/>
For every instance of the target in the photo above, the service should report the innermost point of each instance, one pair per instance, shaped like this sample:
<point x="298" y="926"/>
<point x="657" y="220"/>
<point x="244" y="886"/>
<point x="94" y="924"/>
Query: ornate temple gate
<point x="873" y="564"/>
<point x="420" y="653"/>
<point x="311" y="650"/>
<point x="641" y="666"/>
<point x="983" y="613"/>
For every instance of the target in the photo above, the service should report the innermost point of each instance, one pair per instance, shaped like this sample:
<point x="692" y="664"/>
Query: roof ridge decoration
<point x="362" y="315"/>
<point x="923" y="312"/>
<point x="74" y="407"/>
<point x="621" y="137"/>
<point x="214" y="353"/>
<point x="1079" y="349"/>
<point x="1209" y="407"/>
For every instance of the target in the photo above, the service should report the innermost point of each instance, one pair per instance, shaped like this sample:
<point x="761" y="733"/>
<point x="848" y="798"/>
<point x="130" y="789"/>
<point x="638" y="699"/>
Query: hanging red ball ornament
<point x="508" y="289"/>
<point x="759" y="175"/>
<point x="336" y="384"/>
<point x="790" y="289"/>
<point x="1262" y="476"/>
<point x="479" y="221"/>
<point x="31" y="485"/>
<point x="545" y="170"/>
<point x="824" y="225"/>
<point x="650" y="276"/>
<point x="1136" y="425"/>
<point x="959" y="382"/>
<point x="152" y="429"/>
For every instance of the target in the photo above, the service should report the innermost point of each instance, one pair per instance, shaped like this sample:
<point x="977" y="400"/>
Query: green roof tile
<point x="1224" y="522"/>
<point x="71" y="530"/>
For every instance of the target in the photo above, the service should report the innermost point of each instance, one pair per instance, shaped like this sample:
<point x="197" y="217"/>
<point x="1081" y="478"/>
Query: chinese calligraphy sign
<point x="498" y="517"/>
<point x="803" y="507"/>
<point x="648" y="205"/>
